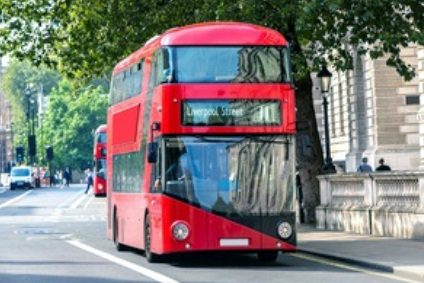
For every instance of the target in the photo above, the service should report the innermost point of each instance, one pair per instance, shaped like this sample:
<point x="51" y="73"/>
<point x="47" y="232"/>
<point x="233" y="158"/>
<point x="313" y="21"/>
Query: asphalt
<point x="402" y="257"/>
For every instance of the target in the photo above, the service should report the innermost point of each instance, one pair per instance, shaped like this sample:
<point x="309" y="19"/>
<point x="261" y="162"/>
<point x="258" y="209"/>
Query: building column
<point x="420" y="115"/>
<point x="358" y="122"/>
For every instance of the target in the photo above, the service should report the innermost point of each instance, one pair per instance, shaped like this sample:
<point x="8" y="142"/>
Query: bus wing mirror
<point x="152" y="149"/>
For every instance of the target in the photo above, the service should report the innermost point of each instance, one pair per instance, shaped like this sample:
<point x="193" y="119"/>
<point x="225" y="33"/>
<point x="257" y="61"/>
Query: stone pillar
<point x="325" y="197"/>
<point x="369" y="197"/>
<point x="420" y="115"/>
<point x="358" y="122"/>
<point x="421" y="190"/>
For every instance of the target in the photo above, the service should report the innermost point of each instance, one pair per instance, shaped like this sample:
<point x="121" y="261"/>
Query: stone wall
<point x="381" y="204"/>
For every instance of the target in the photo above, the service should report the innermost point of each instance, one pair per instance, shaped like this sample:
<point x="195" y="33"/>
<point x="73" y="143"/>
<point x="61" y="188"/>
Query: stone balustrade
<point x="381" y="204"/>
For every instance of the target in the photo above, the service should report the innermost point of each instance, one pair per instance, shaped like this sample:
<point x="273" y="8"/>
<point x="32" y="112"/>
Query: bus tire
<point x="119" y="247"/>
<point x="268" y="255"/>
<point x="151" y="257"/>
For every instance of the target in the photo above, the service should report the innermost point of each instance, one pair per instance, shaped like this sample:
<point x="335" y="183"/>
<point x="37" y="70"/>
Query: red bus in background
<point x="201" y="136"/>
<point x="99" y="172"/>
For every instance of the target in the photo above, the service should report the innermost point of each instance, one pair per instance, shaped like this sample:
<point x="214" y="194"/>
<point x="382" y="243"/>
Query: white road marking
<point x="353" y="268"/>
<point x="13" y="200"/>
<point x="89" y="201"/>
<point x="54" y="219"/>
<point x="134" y="267"/>
<point x="66" y="202"/>
<point x="78" y="201"/>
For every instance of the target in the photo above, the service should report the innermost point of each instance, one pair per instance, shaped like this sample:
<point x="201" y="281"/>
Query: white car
<point x="21" y="177"/>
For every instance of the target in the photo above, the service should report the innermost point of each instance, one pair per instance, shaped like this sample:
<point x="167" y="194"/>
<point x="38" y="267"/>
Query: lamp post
<point x="325" y="78"/>
<point x="31" y="126"/>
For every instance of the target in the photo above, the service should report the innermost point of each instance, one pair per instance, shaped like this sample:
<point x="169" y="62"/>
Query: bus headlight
<point x="284" y="230"/>
<point x="180" y="231"/>
<point x="100" y="187"/>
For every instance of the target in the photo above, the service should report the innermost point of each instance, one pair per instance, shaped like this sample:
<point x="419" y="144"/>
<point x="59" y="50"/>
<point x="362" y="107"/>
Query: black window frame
<point x="127" y="83"/>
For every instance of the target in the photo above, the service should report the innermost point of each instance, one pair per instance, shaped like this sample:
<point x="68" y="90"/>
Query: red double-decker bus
<point x="201" y="143"/>
<point x="99" y="174"/>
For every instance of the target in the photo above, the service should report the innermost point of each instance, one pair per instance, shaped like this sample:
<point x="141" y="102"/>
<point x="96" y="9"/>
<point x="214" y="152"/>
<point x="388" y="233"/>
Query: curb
<point x="416" y="276"/>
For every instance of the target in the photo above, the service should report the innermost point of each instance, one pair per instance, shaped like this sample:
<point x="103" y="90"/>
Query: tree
<point x="72" y="117"/>
<point x="83" y="39"/>
<point x="15" y="81"/>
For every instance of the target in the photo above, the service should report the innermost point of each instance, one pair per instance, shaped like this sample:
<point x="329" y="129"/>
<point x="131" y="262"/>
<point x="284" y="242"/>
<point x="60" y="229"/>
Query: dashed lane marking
<point x="132" y="266"/>
<point x="13" y="200"/>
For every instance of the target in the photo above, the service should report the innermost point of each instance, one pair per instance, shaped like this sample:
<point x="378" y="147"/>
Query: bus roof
<point x="210" y="33"/>
<point x="222" y="33"/>
<point x="101" y="129"/>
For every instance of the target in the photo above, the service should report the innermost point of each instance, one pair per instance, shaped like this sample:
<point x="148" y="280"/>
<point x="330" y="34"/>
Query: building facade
<point x="6" y="129"/>
<point x="374" y="113"/>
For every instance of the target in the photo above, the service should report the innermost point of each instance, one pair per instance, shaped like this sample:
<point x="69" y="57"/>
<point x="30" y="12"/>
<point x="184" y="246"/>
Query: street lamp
<point x="325" y="78"/>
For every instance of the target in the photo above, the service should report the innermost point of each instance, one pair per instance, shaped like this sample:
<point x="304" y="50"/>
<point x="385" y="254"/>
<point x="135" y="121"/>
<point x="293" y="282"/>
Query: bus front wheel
<point x="118" y="245"/>
<point x="268" y="255"/>
<point x="151" y="257"/>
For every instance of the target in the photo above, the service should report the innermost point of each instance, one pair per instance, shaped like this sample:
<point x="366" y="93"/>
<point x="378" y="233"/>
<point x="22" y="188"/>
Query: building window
<point x="412" y="100"/>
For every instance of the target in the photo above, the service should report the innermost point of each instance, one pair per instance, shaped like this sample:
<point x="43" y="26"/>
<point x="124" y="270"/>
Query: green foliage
<point x="72" y="117"/>
<point x="19" y="75"/>
<point x="14" y="83"/>
<point x="85" y="38"/>
<point x="332" y="30"/>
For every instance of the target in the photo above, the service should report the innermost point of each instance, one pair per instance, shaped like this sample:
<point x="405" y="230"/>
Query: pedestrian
<point x="364" y="167"/>
<point x="299" y="196"/>
<point x="89" y="179"/>
<point x="383" y="167"/>
<point x="67" y="177"/>
<point x="52" y="180"/>
<point x="37" y="175"/>
<point x="57" y="180"/>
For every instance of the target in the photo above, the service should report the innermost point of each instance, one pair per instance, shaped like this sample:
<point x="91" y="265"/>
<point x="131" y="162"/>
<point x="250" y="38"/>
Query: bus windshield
<point x="230" y="64"/>
<point x="230" y="175"/>
<point x="100" y="168"/>
<point x="101" y="138"/>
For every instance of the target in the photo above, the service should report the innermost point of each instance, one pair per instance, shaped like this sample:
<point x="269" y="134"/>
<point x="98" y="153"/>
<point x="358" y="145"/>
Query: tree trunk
<point x="309" y="156"/>
<point x="309" y="151"/>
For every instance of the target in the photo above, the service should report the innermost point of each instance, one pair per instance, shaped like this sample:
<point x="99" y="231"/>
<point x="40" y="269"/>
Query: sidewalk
<point x="404" y="258"/>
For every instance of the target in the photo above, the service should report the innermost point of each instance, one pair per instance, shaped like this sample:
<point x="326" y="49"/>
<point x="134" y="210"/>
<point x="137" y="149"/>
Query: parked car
<point x="21" y="177"/>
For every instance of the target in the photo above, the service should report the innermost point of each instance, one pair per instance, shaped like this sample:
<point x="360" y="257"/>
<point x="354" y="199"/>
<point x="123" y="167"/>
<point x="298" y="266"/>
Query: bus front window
<point x="230" y="64"/>
<point x="100" y="168"/>
<point x="101" y="138"/>
<point x="230" y="175"/>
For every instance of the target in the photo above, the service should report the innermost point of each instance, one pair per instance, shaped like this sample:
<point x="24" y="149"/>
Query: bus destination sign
<point x="235" y="112"/>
